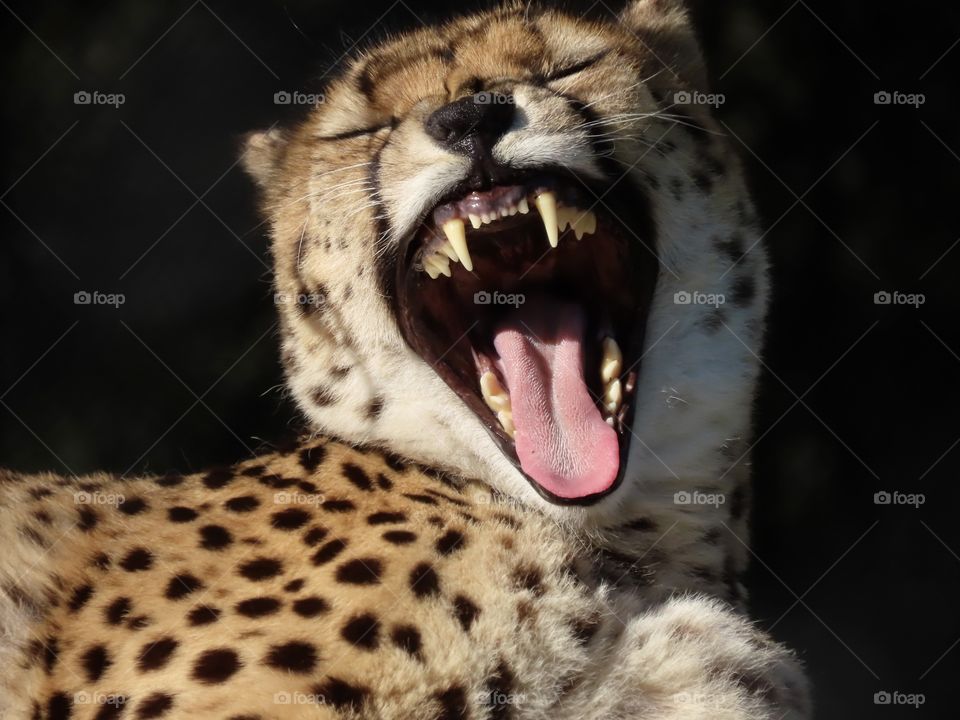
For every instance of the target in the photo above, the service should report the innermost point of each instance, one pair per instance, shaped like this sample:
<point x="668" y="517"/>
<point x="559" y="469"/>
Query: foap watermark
<point x="99" y="698"/>
<point x="496" y="297"/>
<point x="699" y="700"/>
<point x="286" y="97"/>
<point x="95" y="97"/>
<point x="895" y="697"/>
<point x="298" y="698"/>
<point x="885" y="497"/>
<point x="493" y="98"/>
<point x="298" y="498"/>
<point x="697" y="497"/>
<point x="301" y="299"/>
<point x="98" y="498"/>
<point x="95" y="297"/>
<point x="895" y="97"/>
<point x="695" y="97"/>
<point x="895" y="297"/>
<point x="686" y="297"/>
<point x="498" y="698"/>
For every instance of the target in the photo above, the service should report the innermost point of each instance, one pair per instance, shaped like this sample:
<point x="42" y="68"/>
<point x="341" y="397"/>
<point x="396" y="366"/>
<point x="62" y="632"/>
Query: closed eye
<point x="575" y="68"/>
<point x="360" y="132"/>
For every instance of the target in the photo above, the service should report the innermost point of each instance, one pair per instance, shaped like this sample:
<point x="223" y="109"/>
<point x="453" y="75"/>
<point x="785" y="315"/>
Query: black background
<point x="856" y="397"/>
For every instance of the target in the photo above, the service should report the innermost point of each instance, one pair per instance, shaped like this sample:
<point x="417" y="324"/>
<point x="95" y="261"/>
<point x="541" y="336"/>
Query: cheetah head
<point x="518" y="247"/>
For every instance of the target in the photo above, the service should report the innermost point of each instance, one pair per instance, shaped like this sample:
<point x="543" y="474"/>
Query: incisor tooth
<point x="523" y="206"/>
<point x="475" y="220"/>
<point x="611" y="364"/>
<point x="613" y="396"/>
<point x="547" y="205"/>
<point x="457" y="235"/>
<point x="506" y="421"/>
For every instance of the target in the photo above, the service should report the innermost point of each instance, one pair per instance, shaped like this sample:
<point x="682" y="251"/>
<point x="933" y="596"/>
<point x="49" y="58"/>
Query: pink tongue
<point x="562" y="440"/>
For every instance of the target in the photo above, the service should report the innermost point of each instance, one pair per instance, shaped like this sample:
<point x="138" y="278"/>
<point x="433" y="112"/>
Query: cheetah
<point x="521" y="300"/>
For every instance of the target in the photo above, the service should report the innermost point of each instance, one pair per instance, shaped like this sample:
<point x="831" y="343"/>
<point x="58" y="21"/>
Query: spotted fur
<point x="422" y="577"/>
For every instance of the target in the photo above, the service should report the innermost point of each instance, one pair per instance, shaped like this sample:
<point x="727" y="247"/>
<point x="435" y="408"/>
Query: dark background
<point x="146" y="200"/>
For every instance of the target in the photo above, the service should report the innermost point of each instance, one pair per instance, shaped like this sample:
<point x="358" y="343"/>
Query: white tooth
<point x="547" y="205"/>
<point x="493" y="393"/>
<point x="486" y="218"/>
<point x="564" y="217"/>
<point x="611" y="363"/>
<point x="475" y="220"/>
<point x="430" y="269"/>
<point x="457" y="235"/>
<point x="613" y="396"/>
<point x="442" y="263"/>
<point x="504" y="212"/>
<point x="584" y="222"/>
<point x="512" y="210"/>
<point x="447" y="249"/>
<point x="523" y="206"/>
<point x="609" y="421"/>
<point x="590" y="225"/>
<point x="506" y="421"/>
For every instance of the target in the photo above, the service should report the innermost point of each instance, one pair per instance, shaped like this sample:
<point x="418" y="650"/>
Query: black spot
<point x="363" y="631"/>
<point x="423" y="499"/>
<point x="156" y="654"/>
<point x="384" y="482"/>
<point x="80" y="597"/>
<point x="308" y="487"/>
<point x="59" y="707"/>
<point x="182" y="585"/>
<point x="384" y="518"/>
<point x="88" y="519"/>
<point x="357" y="475"/>
<point x="138" y="623"/>
<point x="395" y="462"/>
<point x="290" y="519"/>
<point x="399" y="537"/>
<point x="362" y="571"/>
<point x="341" y="371"/>
<point x="732" y="248"/>
<point x="453" y="703"/>
<point x="329" y="551"/>
<point x="218" y="478"/>
<point x="294" y="585"/>
<point x="215" y="666"/>
<point x="39" y="493"/>
<point x="500" y="688"/>
<point x="169" y="480"/>
<point x="714" y="321"/>
<point x="43" y="516"/>
<point x="309" y="607"/>
<point x="738" y="502"/>
<point x="322" y="396"/>
<point x="95" y="662"/>
<point x="314" y="536"/>
<point x="117" y="611"/>
<point x="101" y="561"/>
<point x="203" y="615"/>
<point x="465" y="611"/>
<point x="242" y="504"/>
<point x="261" y="569"/>
<point x="258" y="607"/>
<point x="277" y="482"/>
<point x="424" y="581"/>
<point x="51" y="653"/>
<point x="584" y="629"/>
<point x="341" y="695"/>
<point x="295" y="657"/>
<point x="744" y="290"/>
<point x="215" y="537"/>
<point x="338" y="506"/>
<point x="133" y="506"/>
<point x="451" y="542"/>
<point x="375" y="408"/>
<point x="181" y="514"/>
<point x="528" y="578"/>
<point x="254" y="470"/>
<point x="155" y="705"/>
<point x="310" y="458"/>
<point x="508" y="520"/>
<point x="137" y="560"/>
<point x="407" y="638"/>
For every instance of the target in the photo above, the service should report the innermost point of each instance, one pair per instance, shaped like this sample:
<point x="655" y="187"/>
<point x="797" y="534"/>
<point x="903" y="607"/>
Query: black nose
<point x="471" y="124"/>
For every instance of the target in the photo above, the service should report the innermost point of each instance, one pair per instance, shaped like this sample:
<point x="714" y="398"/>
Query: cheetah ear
<point x="664" y="27"/>
<point x="261" y="155"/>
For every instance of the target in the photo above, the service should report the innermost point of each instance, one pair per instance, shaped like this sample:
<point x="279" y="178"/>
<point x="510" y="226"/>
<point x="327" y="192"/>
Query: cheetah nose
<point x="472" y="125"/>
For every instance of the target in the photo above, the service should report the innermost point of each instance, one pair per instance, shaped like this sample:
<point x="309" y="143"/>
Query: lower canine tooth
<point x="547" y="205"/>
<point x="457" y="235"/>
<point x="611" y="363"/>
<point x="613" y="396"/>
<point x="493" y="393"/>
<point x="506" y="421"/>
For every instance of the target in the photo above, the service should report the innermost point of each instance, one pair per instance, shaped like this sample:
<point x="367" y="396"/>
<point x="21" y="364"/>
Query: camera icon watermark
<point x="697" y="497"/>
<point x="895" y="97"/>
<point x="686" y="297"/>
<point x="899" y="498"/>
<point x="95" y="297"/>
<point x="483" y="297"/>
<point x="896" y="697"/>
<point x="95" y="97"/>
<point x="695" y="97"/>
<point x="286" y="97"/>
<point x="896" y="297"/>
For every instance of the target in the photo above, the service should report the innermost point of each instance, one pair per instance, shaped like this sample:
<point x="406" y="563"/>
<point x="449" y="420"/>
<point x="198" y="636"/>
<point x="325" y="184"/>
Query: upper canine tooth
<point x="547" y="205"/>
<point x="611" y="364"/>
<point x="457" y="235"/>
<point x="475" y="220"/>
<point x="523" y="206"/>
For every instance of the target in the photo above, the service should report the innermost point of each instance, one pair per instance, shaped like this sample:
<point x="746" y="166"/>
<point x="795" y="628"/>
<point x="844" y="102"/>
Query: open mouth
<point x="531" y="304"/>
